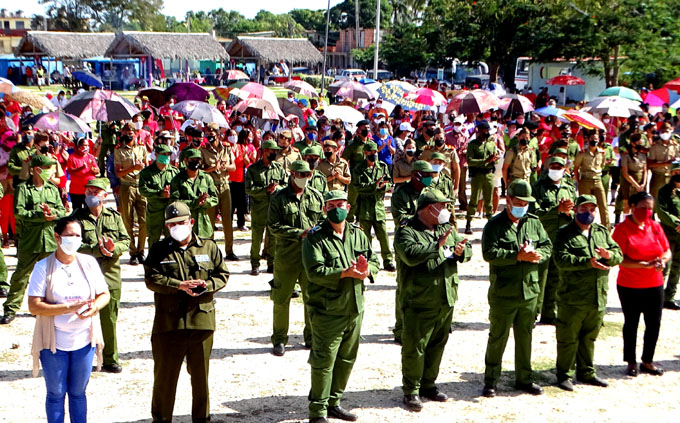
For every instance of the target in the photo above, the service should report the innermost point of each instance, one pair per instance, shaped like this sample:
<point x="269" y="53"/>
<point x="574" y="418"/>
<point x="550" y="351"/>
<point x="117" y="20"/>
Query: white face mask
<point x="665" y="136"/>
<point x="138" y="125"/>
<point x="180" y="232"/>
<point x="437" y="168"/>
<point x="443" y="216"/>
<point x="301" y="182"/>
<point x="70" y="244"/>
<point x="605" y="120"/>
<point x="555" y="174"/>
<point x="456" y="128"/>
<point x="232" y="139"/>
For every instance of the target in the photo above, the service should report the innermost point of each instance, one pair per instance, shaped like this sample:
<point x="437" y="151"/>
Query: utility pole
<point x="377" y="41"/>
<point x="356" y="23"/>
<point x="325" y="48"/>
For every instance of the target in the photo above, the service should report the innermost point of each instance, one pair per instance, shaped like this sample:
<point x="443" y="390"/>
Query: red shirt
<point x="81" y="177"/>
<point x="239" y="152"/>
<point x="644" y="244"/>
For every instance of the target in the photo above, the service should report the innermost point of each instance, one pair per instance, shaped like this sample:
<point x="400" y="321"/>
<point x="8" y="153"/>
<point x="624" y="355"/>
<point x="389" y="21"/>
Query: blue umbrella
<point x="367" y="81"/>
<point x="549" y="111"/>
<point x="88" y="78"/>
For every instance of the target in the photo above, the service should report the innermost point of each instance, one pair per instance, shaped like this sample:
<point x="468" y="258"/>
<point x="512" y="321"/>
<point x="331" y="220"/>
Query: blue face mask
<point x="92" y="200"/>
<point x="383" y="131"/>
<point x="311" y="136"/>
<point x="519" y="212"/>
<point x="437" y="168"/>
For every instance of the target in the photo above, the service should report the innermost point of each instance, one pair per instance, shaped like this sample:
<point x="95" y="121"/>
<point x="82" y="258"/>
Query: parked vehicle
<point x="383" y="74"/>
<point x="349" y="74"/>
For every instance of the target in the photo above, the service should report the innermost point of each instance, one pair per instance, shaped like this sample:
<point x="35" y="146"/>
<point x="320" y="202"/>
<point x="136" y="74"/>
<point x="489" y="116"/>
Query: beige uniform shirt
<point x="662" y="152"/>
<point x="635" y="163"/>
<point x="590" y="164"/>
<point x="402" y="168"/>
<point x="125" y="156"/>
<point x="287" y="158"/>
<point x="341" y="167"/>
<point x="519" y="162"/>
<point x="220" y="157"/>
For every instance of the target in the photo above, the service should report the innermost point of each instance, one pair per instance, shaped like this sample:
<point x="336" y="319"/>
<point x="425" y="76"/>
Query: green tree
<point x="342" y="15"/>
<point x="310" y="19"/>
<point x="404" y="49"/>
<point x="364" y="56"/>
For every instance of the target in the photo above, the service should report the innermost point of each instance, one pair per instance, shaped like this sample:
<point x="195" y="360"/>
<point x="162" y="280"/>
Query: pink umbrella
<point x="565" y="80"/>
<point x="425" y="96"/>
<point x="235" y="74"/>
<point x="673" y="85"/>
<point x="352" y="90"/>
<point x="255" y="90"/>
<point x="584" y="119"/>
<point x="658" y="98"/>
<point x="516" y="103"/>
<point x="301" y="87"/>
<point x="475" y="101"/>
<point x="260" y="108"/>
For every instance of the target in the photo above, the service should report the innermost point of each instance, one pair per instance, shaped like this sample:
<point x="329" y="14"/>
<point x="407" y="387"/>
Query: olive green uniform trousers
<point x="108" y="317"/>
<point x="548" y="278"/>
<point x="19" y="281"/>
<point x="481" y="183"/>
<point x="576" y="330"/>
<point x="224" y="208"/>
<point x="283" y="285"/>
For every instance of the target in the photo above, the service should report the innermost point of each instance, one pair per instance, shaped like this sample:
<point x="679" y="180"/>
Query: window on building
<point x="20" y="25"/>
<point x="6" y="24"/>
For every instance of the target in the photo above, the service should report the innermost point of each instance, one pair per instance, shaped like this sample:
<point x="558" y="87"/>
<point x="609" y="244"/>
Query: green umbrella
<point x="621" y="92"/>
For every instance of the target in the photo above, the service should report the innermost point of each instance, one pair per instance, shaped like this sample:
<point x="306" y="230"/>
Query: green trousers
<point x="108" y="317"/>
<point x="224" y="208"/>
<point x="481" y="184"/>
<point x="548" y="279"/>
<point x="398" y="314"/>
<point x="133" y="205"/>
<point x="4" y="283"/>
<point x="594" y="187"/>
<point x="334" y="351"/>
<point x="155" y="227"/>
<point x="283" y="285"/>
<point x="380" y="229"/>
<point x="19" y="281"/>
<point x="503" y="315"/>
<point x="352" y="196"/>
<point x="169" y="350"/>
<point x="425" y="334"/>
<point x="576" y="330"/>
<point x="672" y="271"/>
<point x="658" y="180"/>
<point x="257" y="233"/>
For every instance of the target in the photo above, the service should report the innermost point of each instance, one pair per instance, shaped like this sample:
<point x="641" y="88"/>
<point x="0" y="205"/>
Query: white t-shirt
<point x="68" y="285"/>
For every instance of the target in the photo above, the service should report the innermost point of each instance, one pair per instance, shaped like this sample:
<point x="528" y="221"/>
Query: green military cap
<point x="561" y="151"/>
<point x="675" y="166"/>
<point x="586" y="199"/>
<point x="520" y="189"/>
<point x="330" y="143"/>
<point x="313" y="150"/>
<point x="335" y="194"/>
<point x="437" y="156"/>
<point x="422" y="166"/>
<point x="41" y="160"/>
<point x="162" y="148"/>
<point x="558" y="160"/>
<point x="300" y="166"/>
<point x="271" y="145"/>
<point x="370" y="146"/>
<point x="192" y="153"/>
<point x="431" y="196"/>
<point x="101" y="183"/>
<point x="177" y="212"/>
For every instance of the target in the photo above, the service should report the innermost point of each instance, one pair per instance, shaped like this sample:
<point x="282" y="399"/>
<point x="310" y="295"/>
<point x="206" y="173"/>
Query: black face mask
<point x="125" y="139"/>
<point x="592" y="143"/>
<point x="182" y="139"/>
<point x="312" y="163"/>
<point x="212" y="139"/>
<point x="438" y="142"/>
<point x="430" y="132"/>
<point x="410" y="153"/>
<point x="271" y="157"/>
<point x="364" y="132"/>
<point x="44" y="149"/>
<point x="371" y="157"/>
<point x="327" y="154"/>
<point x="523" y="142"/>
<point x="193" y="165"/>
<point x="675" y="179"/>
<point x="196" y="143"/>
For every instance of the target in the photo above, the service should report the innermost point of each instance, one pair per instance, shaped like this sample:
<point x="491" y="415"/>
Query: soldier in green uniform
<point x="515" y="244"/>
<point x="37" y="205"/>
<point x="184" y="272"/>
<point x="588" y="174"/>
<point x="584" y="252"/>
<point x="293" y="211"/>
<point x="217" y="161"/>
<point x="311" y="156"/>
<point x="668" y="210"/>
<point x="442" y="181"/>
<point x="609" y="159"/>
<point x="310" y="139"/>
<point x="354" y="154"/>
<point x="404" y="206"/>
<point x="424" y="140"/>
<point x="481" y="157"/>
<point x="21" y="152"/>
<point x="554" y="204"/>
<point x="660" y="156"/>
<point x="336" y="169"/>
<point x="197" y="190"/>
<point x="263" y="179"/>
<point x="372" y="179"/>
<point x="337" y="257"/>
<point x="154" y="184"/>
<point x="105" y="238"/>
<point x="520" y="159"/>
<point x="107" y="143"/>
<point x="429" y="254"/>
<point x="129" y="159"/>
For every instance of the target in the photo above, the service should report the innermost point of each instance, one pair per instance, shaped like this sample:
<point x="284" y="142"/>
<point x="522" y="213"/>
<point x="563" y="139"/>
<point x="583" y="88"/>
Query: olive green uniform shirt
<point x="37" y="234"/>
<point x="188" y="190"/>
<point x="152" y="182"/>
<point x="370" y="203"/>
<point x="258" y="178"/>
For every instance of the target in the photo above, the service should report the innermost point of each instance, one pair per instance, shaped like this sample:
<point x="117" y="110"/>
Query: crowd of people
<point x="313" y="191"/>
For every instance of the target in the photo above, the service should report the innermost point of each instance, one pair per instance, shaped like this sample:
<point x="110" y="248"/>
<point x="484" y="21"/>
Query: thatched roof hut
<point x="272" y="50"/>
<point x="166" y="45"/>
<point x="64" y="45"/>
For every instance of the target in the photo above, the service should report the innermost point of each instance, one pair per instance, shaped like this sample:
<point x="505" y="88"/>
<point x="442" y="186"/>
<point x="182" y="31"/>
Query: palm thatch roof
<point x="64" y="45"/>
<point x="166" y="45"/>
<point x="273" y="50"/>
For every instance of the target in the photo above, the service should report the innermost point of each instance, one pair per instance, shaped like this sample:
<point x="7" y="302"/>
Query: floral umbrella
<point x="475" y="101"/>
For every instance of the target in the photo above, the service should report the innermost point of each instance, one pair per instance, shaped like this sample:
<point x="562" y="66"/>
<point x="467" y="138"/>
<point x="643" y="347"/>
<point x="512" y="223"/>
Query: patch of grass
<point x="610" y="329"/>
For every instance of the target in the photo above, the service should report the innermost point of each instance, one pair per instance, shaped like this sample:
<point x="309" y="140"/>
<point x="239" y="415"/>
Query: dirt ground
<point x="249" y="384"/>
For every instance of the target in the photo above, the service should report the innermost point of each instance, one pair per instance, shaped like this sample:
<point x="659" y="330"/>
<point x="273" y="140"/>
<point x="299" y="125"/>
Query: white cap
<point x="406" y="126"/>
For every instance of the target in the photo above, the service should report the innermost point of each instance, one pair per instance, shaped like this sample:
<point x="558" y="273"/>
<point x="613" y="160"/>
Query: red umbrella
<point x="475" y="101"/>
<point x="425" y="96"/>
<point x="673" y="85"/>
<point x="565" y="80"/>
<point x="584" y="119"/>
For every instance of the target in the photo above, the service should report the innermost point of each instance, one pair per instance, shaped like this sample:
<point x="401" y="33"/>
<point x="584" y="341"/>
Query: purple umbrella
<point x="186" y="91"/>
<point x="101" y="105"/>
<point x="59" y="122"/>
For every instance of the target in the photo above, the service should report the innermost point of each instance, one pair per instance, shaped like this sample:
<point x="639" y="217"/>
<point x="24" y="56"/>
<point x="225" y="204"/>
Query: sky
<point x="178" y="8"/>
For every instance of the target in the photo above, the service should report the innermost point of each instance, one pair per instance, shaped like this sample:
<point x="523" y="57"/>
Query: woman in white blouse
<point x="66" y="290"/>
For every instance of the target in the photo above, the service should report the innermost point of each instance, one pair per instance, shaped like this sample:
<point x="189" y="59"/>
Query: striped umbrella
<point x="515" y="103"/>
<point x="301" y="87"/>
<point x="475" y="101"/>
<point x="614" y="106"/>
<point x="584" y="119"/>
<point x="100" y="105"/>
<point x="623" y="92"/>
<point x="59" y="122"/>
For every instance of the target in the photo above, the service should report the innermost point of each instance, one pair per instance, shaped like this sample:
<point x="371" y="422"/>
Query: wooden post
<point x="149" y="70"/>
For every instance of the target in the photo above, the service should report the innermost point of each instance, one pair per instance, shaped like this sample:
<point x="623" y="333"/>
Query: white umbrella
<point x="614" y="106"/>
<point x="344" y="113"/>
